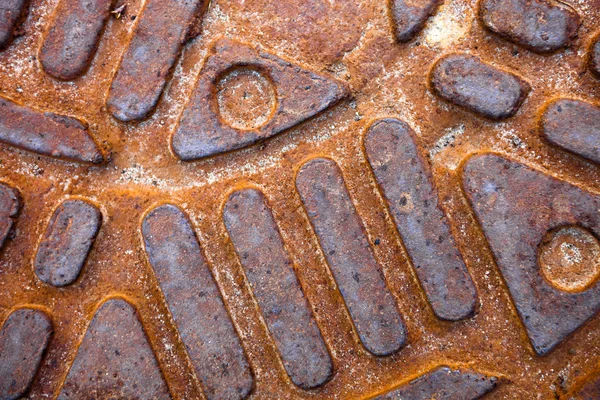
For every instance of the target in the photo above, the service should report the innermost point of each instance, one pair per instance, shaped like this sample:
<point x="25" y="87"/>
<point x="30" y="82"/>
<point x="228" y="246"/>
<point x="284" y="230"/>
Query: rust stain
<point x="221" y="110"/>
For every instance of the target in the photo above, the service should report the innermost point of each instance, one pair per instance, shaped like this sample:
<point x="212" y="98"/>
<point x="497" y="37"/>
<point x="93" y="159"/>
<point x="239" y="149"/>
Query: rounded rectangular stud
<point x="413" y="202"/>
<point x="67" y="242"/>
<point x="410" y="16"/>
<point x="158" y="38"/>
<point x="541" y="26"/>
<point x="70" y="45"/>
<point x="23" y="340"/>
<point x="350" y="257"/>
<point x="470" y="83"/>
<point x="196" y="304"/>
<point x="575" y="126"/>
<point x="274" y="283"/>
<point x="12" y="12"/>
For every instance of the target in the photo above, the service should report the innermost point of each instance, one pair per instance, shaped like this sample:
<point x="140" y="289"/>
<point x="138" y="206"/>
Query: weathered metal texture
<point x="297" y="94"/>
<point x="413" y="202"/>
<point x="115" y="359"/>
<point x="160" y="34"/>
<point x="67" y="241"/>
<point x="517" y="208"/>
<point x="73" y="38"/>
<point x="350" y="257"/>
<point x="196" y="304"/>
<point x="47" y="133"/>
<point x="23" y="340"/>
<point x="594" y="56"/>
<point x="468" y="82"/>
<point x="410" y="16"/>
<point x="353" y="42"/>
<point x="590" y="389"/>
<point x="274" y="283"/>
<point x="11" y="12"/>
<point x="574" y="125"/>
<point x="10" y="204"/>
<point x="540" y="25"/>
<point x="444" y="383"/>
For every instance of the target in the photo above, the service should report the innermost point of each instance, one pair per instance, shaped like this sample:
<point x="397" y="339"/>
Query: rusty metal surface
<point x="590" y="389"/>
<point x="23" y="340"/>
<point x="270" y="272"/>
<point x="114" y="359"/>
<point x="196" y="304"/>
<point x="350" y="258"/>
<point x="10" y="204"/>
<point x="47" y="133"/>
<point x="467" y="81"/>
<point x="159" y="35"/>
<point x="288" y="96"/>
<point x="575" y="126"/>
<point x="71" y="43"/>
<point x="67" y="241"/>
<point x="317" y="199"/>
<point x="540" y="25"/>
<point x="410" y="16"/>
<point x="444" y="384"/>
<point x="11" y="13"/>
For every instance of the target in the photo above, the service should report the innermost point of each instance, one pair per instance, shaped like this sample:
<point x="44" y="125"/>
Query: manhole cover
<point x="317" y="199"/>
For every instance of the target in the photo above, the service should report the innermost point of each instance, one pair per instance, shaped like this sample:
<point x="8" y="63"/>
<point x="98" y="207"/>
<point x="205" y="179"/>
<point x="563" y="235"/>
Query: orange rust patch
<point x="351" y="45"/>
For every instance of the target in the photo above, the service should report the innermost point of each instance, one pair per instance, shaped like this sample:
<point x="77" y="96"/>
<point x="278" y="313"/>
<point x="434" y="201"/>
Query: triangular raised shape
<point x="523" y="213"/>
<point x="115" y="359"/>
<point x="245" y="95"/>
